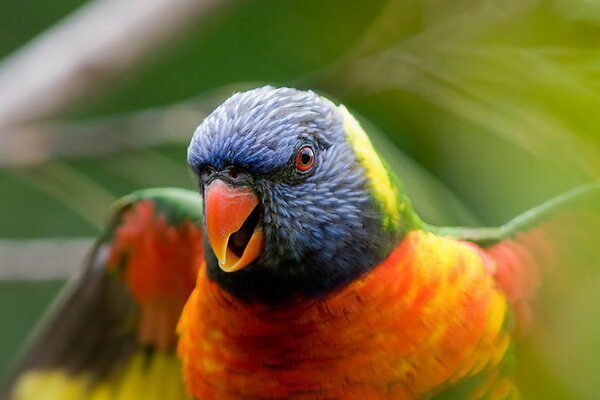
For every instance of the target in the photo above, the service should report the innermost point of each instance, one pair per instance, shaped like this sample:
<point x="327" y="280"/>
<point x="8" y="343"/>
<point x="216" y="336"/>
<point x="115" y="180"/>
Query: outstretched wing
<point x="547" y="261"/>
<point x="111" y="334"/>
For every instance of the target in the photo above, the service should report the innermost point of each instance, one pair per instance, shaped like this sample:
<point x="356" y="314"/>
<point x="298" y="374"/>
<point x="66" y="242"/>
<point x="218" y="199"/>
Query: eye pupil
<point x="305" y="159"/>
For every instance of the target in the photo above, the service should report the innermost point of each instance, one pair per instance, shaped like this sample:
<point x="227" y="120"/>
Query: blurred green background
<point x="484" y="108"/>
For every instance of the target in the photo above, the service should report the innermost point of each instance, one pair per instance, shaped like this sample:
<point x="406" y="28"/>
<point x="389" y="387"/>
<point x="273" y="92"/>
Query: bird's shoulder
<point x="454" y="316"/>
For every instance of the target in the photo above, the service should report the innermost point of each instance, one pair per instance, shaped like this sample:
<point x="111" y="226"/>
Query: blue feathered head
<point x="294" y="197"/>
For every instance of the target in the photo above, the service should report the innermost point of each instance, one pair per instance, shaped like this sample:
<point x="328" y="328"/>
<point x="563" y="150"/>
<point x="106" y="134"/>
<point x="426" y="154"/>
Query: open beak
<point x="232" y="224"/>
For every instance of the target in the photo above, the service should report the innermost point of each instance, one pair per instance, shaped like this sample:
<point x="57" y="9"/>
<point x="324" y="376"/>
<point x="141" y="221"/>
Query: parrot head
<point x="297" y="202"/>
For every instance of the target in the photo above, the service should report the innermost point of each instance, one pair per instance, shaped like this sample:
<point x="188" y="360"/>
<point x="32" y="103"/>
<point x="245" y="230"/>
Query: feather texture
<point x="428" y="317"/>
<point x="155" y="377"/>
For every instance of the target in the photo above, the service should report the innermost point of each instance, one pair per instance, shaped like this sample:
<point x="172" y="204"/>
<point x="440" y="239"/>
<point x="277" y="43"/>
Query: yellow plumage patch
<point x="381" y="184"/>
<point x="158" y="378"/>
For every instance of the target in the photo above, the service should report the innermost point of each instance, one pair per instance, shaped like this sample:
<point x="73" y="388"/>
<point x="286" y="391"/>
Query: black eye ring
<point x="305" y="159"/>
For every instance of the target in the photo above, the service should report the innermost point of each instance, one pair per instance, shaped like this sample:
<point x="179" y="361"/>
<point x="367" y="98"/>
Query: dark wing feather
<point x="97" y="313"/>
<point x="92" y="332"/>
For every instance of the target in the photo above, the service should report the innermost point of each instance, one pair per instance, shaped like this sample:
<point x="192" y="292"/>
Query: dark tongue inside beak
<point x="239" y="240"/>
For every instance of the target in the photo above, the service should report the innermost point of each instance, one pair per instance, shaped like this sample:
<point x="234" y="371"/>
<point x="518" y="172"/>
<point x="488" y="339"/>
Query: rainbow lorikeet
<point x="300" y="272"/>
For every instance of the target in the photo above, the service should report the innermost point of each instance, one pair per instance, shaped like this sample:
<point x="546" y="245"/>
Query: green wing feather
<point x="88" y="345"/>
<point x="583" y="198"/>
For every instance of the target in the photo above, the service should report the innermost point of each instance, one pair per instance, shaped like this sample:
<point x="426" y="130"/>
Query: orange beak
<point x="232" y="217"/>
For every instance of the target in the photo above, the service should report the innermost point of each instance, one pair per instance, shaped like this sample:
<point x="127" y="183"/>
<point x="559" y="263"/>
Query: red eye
<point x="305" y="159"/>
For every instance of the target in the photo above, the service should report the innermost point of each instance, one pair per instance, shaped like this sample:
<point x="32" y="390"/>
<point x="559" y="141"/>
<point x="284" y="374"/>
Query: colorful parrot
<point x="300" y="271"/>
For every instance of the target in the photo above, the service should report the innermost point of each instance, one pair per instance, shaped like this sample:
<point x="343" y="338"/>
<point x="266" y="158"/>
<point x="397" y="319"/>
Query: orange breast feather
<point x="427" y="317"/>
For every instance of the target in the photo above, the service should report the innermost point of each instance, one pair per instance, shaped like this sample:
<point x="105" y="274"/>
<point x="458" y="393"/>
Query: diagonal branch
<point x="42" y="259"/>
<point x="96" y="43"/>
<point x="34" y="143"/>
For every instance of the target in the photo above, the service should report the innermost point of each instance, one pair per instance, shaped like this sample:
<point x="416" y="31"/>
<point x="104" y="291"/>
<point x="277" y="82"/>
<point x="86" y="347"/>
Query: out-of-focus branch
<point x="35" y="143"/>
<point x="42" y="259"/>
<point x="85" y="50"/>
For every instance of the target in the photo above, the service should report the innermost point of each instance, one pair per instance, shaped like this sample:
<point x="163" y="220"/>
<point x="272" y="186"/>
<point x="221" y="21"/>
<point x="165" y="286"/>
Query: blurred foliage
<point x="491" y="105"/>
<point x="495" y="100"/>
<point x="21" y="306"/>
<point x="21" y="21"/>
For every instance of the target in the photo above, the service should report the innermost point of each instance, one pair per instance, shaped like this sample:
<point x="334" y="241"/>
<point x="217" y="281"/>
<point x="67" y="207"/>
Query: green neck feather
<point x="387" y="189"/>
